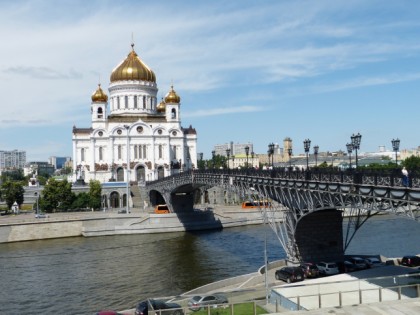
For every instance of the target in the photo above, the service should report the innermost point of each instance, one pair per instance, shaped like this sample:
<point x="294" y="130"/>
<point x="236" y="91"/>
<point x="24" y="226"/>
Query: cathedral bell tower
<point x="173" y="105"/>
<point x="99" y="107"/>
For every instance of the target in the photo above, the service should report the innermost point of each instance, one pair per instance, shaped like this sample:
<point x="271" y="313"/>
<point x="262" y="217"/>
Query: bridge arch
<point x="303" y="198"/>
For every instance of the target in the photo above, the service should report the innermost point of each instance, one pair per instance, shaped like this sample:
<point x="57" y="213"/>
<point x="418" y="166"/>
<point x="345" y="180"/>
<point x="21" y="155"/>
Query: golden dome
<point x="99" y="95"/>
<point x="161" y="107"/>
<point x="172" y="97"/>
<point x="132" y="68"/>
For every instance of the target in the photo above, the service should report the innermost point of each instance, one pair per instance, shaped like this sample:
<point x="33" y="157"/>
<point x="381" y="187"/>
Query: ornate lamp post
<point x="289" y="151"/>
<point x="252" y="158"/>
<point x="201" y="160"/>
<point x="316" y="149"/>
<point x="396" y="147"/>
<point x="187" y="166"/>
<point x="127" y="127"/>
<point x="247" y="153"/>
<point x="228" y="155"/>
<point x="307" y="146"/>
<point x="213" y="155"/>
<point x="349" y="151"/>
<point x="355" y="141"/>
<point x="271" y="150"/>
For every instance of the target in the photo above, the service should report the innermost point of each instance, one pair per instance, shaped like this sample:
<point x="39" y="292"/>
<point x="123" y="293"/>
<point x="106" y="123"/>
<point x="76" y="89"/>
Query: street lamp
<point x="307" y="146"/>
<point x="355" y="141"/>
<point x="187" y="166"/>
<point x="252" y="158"/>
<point x="127" y="127"/>
<point x="271" y="150"/>
<point x="349" y="151"/>
<point x="37" y="197"/>
<point x="316" y="149"/>
<point x="213" y="155"/>
<point x="247" y="153"/>
<point x="228" y="155"/>
<point x="201" y="160"/>
<point x="289" y="151"/>
<point x="396" y="147"/>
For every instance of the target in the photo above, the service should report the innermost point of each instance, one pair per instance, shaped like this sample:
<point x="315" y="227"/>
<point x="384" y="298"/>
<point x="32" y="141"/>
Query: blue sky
<point x="246" y="71"/>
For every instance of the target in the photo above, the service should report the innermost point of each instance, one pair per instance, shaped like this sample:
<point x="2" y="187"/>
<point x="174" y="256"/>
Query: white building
<point x="132" y="118"/>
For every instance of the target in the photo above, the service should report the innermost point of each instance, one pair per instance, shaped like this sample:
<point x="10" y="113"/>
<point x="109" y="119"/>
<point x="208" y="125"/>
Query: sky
<point x="246" y="71"/>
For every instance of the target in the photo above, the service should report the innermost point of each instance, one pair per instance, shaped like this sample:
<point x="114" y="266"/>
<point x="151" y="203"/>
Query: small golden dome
<point x="161" y="107"/>
<point x="172" y="97"/>
<point x="132" y="68"/>
<point x="99" y="95"/>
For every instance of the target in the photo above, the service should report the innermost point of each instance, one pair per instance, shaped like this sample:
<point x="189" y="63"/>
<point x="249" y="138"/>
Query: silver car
<point x="201" y="301"/>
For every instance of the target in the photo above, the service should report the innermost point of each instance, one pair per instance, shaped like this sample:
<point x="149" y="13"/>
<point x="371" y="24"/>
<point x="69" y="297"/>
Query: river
<point x="84" y="275"/>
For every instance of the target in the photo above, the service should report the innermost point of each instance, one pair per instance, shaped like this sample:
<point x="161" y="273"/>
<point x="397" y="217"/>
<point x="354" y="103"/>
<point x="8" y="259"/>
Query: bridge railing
<point x="388" y="178"/>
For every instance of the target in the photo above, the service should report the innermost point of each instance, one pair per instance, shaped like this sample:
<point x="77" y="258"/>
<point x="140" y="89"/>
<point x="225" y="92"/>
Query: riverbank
<point x="358" y="291"/>
<point x="26" y="227"/>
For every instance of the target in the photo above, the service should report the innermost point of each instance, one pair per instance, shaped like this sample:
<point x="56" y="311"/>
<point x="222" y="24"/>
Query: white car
<point x="327" y="268"/>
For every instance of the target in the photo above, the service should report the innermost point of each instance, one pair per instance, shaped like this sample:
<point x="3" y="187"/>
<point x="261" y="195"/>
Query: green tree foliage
<point x="219" y="161"/>
<point x="11" y="192"/>
<point x="412" y="163"/>
<point x="81" y="201"/>
<point x="57" y="195"/>
<point x="95" y="193"/>
<point x="12" y="175"/>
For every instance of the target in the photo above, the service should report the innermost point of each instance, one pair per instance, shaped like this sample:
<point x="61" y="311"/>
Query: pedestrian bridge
<point x="313" y="202"/>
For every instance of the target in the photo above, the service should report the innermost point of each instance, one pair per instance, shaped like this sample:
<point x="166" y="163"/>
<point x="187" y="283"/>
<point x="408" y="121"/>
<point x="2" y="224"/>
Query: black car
<point x="346" y="266"/>
<point x="410" y="261"/>
<point x="164" y="308"/>
<point x="290" y="274"/>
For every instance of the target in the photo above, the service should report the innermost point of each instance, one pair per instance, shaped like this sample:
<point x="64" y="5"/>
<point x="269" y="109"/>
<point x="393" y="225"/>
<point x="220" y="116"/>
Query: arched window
<point x="126" y="101"/>
<point x="118" y="102"/>
<point x="135" y="152"/>
<point x="100" y="154"/>
<point x="160" y="151"/>
<point x="82" y="154"/>
<point x="135" y="101"/>
<point x="100" y="112"/>
<point x="144" y="152"/>
<point x="175" y="158"/>
<point x="119" y="151"/>
<point x="173" y="111"/>
<point x="144" y="101"/>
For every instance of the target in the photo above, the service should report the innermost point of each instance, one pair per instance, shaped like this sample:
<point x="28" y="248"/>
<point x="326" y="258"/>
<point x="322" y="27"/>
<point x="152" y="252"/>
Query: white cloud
<point x="223" y="111"/>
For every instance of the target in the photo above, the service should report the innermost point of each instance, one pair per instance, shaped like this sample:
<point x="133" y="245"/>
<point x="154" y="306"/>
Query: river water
<point x="84" y="275"/>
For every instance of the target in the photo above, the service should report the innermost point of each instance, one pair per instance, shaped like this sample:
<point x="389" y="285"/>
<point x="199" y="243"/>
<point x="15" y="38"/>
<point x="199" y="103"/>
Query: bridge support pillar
<point x="319" y="236"/>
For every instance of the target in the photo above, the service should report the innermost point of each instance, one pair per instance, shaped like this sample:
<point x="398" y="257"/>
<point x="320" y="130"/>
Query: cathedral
<point x="133" y="137"/>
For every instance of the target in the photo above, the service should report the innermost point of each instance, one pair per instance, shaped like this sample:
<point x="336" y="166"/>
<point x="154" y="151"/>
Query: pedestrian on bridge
<point x="404" y="177"/>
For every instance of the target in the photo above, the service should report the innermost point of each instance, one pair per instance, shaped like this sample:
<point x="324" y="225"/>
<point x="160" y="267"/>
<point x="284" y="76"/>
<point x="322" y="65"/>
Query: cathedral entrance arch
<point x="114" y="199"/>
<point x="161" y="172"/>
<point x="120" y="174"/>
<point x="140" y="173"/>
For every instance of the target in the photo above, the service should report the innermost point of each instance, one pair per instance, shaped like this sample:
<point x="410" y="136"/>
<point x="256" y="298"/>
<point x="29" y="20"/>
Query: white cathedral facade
<point x="130" y="128"/>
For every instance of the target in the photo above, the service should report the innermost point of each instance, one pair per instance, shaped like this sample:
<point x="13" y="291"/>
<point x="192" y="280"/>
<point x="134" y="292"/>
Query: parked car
<point x="410" y="261"/>
<point x="164" y="308"/>
<point x="346" y="266"/>
<point x="327" y="268"/>
<point x="374" y="262"/>
<point x="199" y="301"/>
<point x="310" y="270"/>
<point x="290" y="274"/>
<point x="359" y="262"/>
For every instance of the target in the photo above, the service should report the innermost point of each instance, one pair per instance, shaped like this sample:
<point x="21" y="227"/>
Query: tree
<point x="95" y="193"/>
<point x="412" y="163"/>
<point x="56" y="195"/>
<point x="12" y="192"/>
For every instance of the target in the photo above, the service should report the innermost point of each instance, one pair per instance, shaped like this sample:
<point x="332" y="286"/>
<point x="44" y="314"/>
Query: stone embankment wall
<point x="57" y="225"/>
